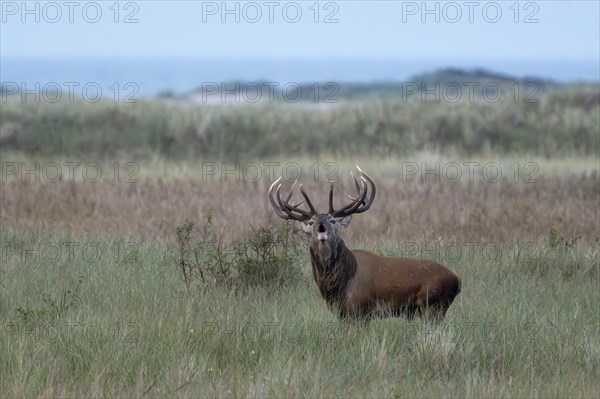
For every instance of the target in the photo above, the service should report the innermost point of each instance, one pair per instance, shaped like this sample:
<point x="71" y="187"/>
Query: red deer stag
<point x="360" y="284"/>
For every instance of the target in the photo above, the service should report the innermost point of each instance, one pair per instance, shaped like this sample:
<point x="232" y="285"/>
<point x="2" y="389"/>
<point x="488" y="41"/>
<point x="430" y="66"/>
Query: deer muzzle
<point x="322" y="233"/>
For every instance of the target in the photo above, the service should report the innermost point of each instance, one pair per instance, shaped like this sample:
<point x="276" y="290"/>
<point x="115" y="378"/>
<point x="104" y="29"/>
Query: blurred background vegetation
<point x="545" y="119"/>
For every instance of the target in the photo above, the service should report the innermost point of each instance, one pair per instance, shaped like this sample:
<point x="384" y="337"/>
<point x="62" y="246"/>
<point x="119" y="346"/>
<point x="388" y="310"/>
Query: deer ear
<point x="343" y="222"/>
<point x="306" y="227"/>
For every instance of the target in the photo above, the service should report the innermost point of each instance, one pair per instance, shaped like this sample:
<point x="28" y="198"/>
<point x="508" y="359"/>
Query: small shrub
<point x="51" y="307"/>
<point x="266" y="256"/>
<point x="555" y="239"/>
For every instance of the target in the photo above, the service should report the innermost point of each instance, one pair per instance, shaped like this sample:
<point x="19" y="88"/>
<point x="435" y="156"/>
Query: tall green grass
<point x="121" y="323"/>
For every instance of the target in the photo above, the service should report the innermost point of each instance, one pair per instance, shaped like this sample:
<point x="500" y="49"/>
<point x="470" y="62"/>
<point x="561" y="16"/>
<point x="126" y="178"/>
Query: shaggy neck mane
<point x="332" y="269"/>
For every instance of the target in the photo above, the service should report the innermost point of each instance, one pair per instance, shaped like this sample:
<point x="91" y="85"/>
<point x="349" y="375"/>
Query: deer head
<point x="322" y="227"/>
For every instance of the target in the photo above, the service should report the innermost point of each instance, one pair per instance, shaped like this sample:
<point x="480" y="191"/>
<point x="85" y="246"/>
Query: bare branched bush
<point x="265" y="256"/>
<point x="50" y="307"/>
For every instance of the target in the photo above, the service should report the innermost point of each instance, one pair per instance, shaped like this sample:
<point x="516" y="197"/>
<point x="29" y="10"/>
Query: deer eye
<point x="311" y="223"/>
<point x="332" y="221"/>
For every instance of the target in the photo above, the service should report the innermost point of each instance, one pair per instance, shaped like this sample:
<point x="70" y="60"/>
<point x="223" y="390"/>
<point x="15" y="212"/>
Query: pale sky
<point x="466" y="29"/>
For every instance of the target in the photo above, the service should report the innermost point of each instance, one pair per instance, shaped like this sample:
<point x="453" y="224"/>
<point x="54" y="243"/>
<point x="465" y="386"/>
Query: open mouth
<point x="322" y="233"/>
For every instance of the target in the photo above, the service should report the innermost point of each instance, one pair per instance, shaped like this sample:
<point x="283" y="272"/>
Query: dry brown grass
<point x="502" y="211"/>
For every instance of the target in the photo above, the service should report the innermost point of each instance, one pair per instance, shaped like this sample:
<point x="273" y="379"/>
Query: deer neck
<point x="333" y="266"/>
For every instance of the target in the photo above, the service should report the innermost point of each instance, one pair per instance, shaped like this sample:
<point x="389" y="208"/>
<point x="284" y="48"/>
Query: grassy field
<point x="94" y="301"/>
<point x="112" y="317"/>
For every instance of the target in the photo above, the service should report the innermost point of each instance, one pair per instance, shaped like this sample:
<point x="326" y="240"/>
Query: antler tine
<point x="287" y="208"/>
<point x="310" y="205"/>
<point x="349" y="208"/>
<point x="331" y="210"/>
<point x="358" y="204"/>
<point x="278" y="209"/>
<point x="355" y="182"/>
<point x="284" y="209"/>
<point x="347" y="195"/>
<point x="373" y="190"/>
<point x="287" y="200"/>
<point x="360" y="199"/>
<point x="295" y="204"/>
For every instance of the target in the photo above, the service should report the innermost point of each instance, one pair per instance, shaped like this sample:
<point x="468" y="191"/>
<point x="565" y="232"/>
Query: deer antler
<point x="358" y="204"/>
<point x="286" y="210"/>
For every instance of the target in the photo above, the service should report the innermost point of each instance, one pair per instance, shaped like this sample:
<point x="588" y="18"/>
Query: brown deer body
<point x="359" y="284"/>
